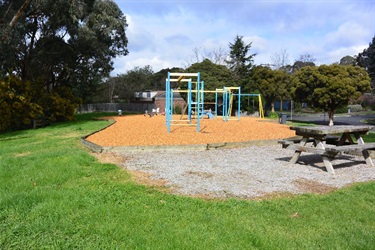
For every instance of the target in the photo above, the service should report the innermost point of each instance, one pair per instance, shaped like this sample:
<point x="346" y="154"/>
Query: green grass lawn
<point x="54" y="194"/>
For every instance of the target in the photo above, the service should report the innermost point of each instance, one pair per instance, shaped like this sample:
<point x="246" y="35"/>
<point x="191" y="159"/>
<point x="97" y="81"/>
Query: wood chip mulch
<point x="140" y="130"/>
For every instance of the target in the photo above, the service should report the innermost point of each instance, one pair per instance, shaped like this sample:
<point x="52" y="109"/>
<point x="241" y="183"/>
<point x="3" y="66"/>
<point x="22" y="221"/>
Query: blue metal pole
<point x="225" y="109"/>
<point x="224" y="104"/>
<point x="216" y="103"/>
<point x="239" y="103"/>
<point x="198" y="101"/>
<point x="202" y="97"/>
<point x="167" y="104"/>
<point x="189" y="101"/>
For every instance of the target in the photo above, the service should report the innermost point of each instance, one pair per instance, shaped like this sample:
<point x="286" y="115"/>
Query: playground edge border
<point x="209" y="146"/>
<point x="199" y="147"/>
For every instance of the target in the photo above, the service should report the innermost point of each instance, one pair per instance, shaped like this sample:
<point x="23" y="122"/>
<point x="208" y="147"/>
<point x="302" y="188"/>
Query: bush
<point x="59" y="105"/>
<point x="342" y="110"/>
<point x="273" y="115"/>
<point x="355" y="108"/>
<point x="21" y="102"/>
<point x="177" y="109"/>
<point x="368" y="101"/>
<point x="17" y="109"/>
<point x="249" y="109"/>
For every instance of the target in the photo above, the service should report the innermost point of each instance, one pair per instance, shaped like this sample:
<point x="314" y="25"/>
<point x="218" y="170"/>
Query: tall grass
<point x="54" y="194"/>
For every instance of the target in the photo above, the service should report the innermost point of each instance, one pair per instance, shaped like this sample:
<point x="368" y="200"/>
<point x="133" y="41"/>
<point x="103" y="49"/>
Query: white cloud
<point x="347" y="34"/>
<point x="164" y="34"/>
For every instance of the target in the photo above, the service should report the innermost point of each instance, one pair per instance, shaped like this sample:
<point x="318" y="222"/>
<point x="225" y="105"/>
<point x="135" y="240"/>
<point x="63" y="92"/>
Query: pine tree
<point x="366" y="59"/>
<point x="240" y="62"/>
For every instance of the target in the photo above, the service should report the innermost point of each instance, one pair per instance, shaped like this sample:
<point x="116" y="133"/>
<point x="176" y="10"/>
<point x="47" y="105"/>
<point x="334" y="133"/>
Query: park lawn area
<point x="54" y="194"/>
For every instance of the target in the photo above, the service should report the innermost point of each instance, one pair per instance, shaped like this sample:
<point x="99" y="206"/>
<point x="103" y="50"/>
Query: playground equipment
<point x="228" y="96"/>
<point x="194" y="99"/>
<point x="260" y="105"/>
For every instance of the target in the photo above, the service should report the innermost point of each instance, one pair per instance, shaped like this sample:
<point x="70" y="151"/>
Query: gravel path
<point x="250" y="172"/>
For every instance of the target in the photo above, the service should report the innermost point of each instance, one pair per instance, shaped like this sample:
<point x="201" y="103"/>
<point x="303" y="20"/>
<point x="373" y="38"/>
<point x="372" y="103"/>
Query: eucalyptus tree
<point x="62" y="43"/>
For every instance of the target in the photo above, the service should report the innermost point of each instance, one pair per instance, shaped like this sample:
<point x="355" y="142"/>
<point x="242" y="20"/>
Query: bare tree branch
<point x="15" y="18"/>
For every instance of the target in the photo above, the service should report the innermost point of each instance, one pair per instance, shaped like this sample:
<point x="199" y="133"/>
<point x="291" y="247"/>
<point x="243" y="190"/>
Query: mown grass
<point x="55" y="195"/>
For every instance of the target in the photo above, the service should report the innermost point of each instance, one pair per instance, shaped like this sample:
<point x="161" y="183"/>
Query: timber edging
<point x="199" y="147"/>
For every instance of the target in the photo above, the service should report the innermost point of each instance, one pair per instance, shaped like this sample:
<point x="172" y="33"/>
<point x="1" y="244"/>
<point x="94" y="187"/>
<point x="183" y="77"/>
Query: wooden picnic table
<point x="315" y="138"/>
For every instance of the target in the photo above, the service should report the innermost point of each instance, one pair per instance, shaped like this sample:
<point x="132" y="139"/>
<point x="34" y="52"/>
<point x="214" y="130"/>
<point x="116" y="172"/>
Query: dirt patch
<point x="22" y="154"/>
<point x="143" y="178"/>
<point x="109" y="157"/>
<point x="310" y="186"/>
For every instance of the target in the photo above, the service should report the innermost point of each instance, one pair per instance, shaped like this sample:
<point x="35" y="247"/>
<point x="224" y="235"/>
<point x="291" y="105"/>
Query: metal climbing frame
<point x="227" y="104"/>
<point x="228" y="95"/>
<point x="260" y="108"/>
<point x="193" y="100"/>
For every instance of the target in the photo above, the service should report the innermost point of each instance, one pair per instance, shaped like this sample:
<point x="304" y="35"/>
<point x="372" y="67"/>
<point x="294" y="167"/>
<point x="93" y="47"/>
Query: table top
<point x="329" y="130"/>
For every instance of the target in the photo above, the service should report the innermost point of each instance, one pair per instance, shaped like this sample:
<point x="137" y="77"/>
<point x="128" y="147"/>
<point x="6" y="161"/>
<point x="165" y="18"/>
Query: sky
<point x="168" y="33"/>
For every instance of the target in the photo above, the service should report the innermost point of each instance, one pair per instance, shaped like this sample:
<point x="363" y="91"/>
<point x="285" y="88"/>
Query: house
<point x="157" y="99"/>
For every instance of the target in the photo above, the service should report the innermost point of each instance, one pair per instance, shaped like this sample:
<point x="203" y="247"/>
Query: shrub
<point x="177" y="109"/>
<point x="368" y="101"/>
<point x="249" y="109"/>
<point x="273" y="115"/>
<point x="342" y="110"/>
<point x="355" y="108"/>
<point x="17" y="109"/>
<point x="21" y="102"/>
<point x="59" y="105"/>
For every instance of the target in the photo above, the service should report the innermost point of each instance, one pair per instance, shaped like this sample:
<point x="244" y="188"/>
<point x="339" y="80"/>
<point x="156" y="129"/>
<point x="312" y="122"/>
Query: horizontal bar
<point x="173" y="124"/>
<point x="183" y="74"/>
<point x="182" y="80"/>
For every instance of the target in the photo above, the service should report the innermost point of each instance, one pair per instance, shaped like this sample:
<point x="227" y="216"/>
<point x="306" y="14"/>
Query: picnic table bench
<point x="315" y="139"/>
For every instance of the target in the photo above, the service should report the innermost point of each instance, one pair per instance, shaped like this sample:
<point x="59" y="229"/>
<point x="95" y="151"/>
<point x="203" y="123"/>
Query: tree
<point x="272" y="84"/>
<point x="330" y="87"/>
<point x="280" y="60"/>
<point x="307" y="58"/>
<point x="215" y="55"/>
<point x="366" y="59"/>
<point x="240" y="62"/>
<point x="348" y="60"/>
<point x="17" y="15"/>
<point x="135" y="80"/>
<point x="62" y="48"/>
<point x="159" y="78"/>
<point x="63" y="43"/>
<point x="214" y="75"/>
<point x="304" y="60"/>
<point x="300" y="64"/>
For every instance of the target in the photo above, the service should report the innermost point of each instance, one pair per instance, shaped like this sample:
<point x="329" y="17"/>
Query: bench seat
<point x="286" y="142"/>
<point x="351" y="149"/>
<point x="332" y="140"/>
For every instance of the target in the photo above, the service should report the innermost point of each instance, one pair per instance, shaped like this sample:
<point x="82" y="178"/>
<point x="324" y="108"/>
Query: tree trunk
<point x="15" y="18"/>
<point x="330" y="114"/>
<point x="281" y="104"/>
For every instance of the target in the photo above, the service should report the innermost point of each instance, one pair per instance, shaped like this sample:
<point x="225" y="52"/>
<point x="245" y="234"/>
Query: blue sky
<point x="165" y="33"/>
